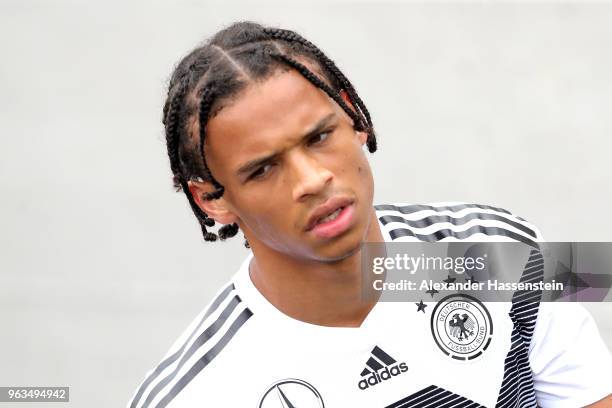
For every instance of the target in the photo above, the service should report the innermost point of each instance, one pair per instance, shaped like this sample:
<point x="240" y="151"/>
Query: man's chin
<point x="338" y="251"/>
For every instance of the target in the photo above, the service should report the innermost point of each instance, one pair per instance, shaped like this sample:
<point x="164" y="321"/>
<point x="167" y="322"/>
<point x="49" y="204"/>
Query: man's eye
<point x="319" y="138"/>
<point x="261" y="172"/>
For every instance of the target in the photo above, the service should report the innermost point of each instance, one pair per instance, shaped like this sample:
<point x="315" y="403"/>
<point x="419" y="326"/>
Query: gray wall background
<point x="102" y="264"/>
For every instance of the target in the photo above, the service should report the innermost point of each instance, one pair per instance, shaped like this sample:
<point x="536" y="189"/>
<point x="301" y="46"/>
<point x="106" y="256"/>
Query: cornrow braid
<point x="220" y="70"/>
<point x="306" y="73"/>
<point x="229" y="230"/>
<point x="171" y="111"/>
<point x="291" y="36"/>
<point x="171" y="120"/>
<point x="205" y="103"/>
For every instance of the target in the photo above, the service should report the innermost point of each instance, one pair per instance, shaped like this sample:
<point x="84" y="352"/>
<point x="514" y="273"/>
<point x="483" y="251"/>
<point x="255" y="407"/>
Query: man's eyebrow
<point x="316" y="129"/>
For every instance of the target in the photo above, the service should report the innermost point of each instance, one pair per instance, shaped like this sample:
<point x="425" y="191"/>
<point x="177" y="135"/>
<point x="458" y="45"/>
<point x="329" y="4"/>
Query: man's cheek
<point x="272" y="224"/>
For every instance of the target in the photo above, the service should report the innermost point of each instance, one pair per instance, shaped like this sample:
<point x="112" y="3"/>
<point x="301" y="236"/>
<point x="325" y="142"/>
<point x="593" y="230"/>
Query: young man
<point x="266" y="135"/>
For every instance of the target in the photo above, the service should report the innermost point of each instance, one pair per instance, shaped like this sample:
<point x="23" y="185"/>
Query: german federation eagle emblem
<point x="461" y="327"/>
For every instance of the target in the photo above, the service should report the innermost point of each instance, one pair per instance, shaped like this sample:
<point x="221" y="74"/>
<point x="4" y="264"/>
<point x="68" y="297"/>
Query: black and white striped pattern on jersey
<point x="436" y="219"/>
<point x="508" y="226"/>
<point x="517" y="389"/>
<point x="409" y="209"/>
<point x="166" y="373"/>
<point x="434" y="397"/>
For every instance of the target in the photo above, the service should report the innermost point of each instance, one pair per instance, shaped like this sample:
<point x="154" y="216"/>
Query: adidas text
<point x="383" y="375"/>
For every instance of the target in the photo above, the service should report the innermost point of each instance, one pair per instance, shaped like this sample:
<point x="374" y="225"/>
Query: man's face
<point x="283" y="149"/>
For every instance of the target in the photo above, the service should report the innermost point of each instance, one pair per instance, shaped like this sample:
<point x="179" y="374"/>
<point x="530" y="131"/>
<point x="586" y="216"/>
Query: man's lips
<point x="327" y="208"/>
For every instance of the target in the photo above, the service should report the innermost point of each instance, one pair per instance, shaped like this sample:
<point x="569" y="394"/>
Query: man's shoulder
<point x="453" y="221"/>
<point x="198" y="349"/>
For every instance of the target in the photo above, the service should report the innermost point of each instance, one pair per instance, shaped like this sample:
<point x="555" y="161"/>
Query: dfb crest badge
<point x="461" y="326"/>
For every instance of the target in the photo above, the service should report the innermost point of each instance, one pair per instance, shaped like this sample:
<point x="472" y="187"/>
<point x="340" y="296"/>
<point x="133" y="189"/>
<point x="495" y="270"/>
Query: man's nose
<point x="311" y="176"/>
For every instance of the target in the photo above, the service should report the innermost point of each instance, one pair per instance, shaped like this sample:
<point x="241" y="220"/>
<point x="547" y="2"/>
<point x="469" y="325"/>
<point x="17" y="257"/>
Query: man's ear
<point x="363" y="137"/>
<point x="217" y="209"/>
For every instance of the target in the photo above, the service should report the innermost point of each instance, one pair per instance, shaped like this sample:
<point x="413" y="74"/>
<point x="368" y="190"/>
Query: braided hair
<point x="215" y="72"/>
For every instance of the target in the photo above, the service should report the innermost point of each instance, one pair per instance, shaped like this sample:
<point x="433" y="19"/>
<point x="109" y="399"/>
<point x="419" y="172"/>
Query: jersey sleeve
<point x="569" y="360"/>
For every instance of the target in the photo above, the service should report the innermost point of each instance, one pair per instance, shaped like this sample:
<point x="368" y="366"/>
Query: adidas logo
<point x="380" y="367"/>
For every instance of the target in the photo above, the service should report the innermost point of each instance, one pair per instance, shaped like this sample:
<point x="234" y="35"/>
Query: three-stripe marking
<point x="376" y="361"/>
<point x="183" y="354"/>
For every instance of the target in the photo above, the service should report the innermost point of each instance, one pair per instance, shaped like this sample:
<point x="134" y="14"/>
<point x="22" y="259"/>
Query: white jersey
<point x="243" y="352"/>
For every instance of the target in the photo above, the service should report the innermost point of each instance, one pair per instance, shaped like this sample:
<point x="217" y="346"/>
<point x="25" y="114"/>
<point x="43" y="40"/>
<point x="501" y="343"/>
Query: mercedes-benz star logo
<point x="291" y="393"/>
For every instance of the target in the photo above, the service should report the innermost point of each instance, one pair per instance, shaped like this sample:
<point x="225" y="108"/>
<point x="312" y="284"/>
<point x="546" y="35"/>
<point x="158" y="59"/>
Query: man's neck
<point x="325" y="294"/>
